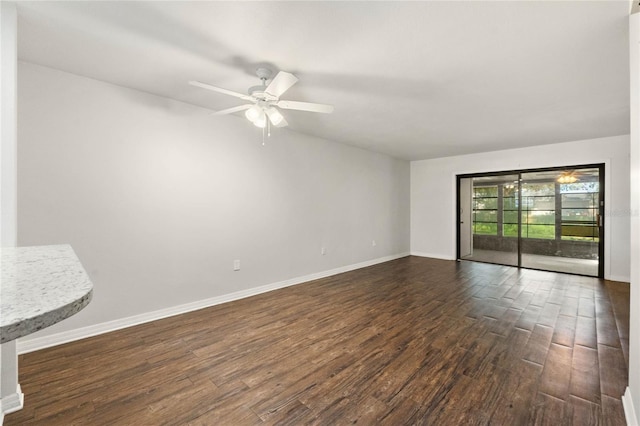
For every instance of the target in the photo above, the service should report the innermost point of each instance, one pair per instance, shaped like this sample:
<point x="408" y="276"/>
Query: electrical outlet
<point x="323" y="251"/>
<point x="236" y="265"/>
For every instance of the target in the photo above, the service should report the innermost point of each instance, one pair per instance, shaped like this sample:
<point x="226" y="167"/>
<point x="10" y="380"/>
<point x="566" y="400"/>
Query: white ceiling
<point x="414" y="80"/>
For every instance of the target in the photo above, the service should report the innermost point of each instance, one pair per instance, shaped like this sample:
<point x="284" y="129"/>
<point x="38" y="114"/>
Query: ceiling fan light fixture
<point x="254" y="113"/>
<point x="261" y="121"/>
<point x="274" y="116"/>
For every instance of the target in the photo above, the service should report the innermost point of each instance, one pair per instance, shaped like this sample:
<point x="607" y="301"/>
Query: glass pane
<point x="578" y="215"/>
<point x="510" y="217"/>
<point x="579" y="230"/>
<point x="485" y="203"/>
<point x="485" y="216"/>
<point x="510" y="191"/>
<point x="485" y="191"/>
<point x="485" y="228"/>
<point x="539" y="217"/>
<point x="580" y="200"/>
<point x="510" y="230"/>
<point x="510" y="203"/>
<point x="580" y="187"/>
<point x="533" y="189"/>
<point x="538" y="203"/>
<point x="491" y="197"/>
<point x="539" y="231"/>
<point x="559" y="212"/>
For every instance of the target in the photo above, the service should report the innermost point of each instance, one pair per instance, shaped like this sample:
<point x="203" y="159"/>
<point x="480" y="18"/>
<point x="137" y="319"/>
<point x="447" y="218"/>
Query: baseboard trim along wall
<point x="618" y="278"/>
<point x="432" y="255"/>
<point x="11" y="403"/>
<point x="629" y="411"/>
<point x="34" y="344"/>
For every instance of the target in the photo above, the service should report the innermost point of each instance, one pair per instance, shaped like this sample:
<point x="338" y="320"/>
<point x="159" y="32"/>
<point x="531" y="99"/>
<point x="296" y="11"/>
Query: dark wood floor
<point x="412" y="341"/>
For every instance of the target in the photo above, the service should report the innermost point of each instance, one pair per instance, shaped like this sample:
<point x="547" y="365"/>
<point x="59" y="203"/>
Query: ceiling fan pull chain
<point x="263" y="136"/>
<point x="269" y="128"/>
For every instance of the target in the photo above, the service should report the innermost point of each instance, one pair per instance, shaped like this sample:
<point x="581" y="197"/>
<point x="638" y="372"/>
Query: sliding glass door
<point x="494" y="223"/>
<point x="549" y="219"/>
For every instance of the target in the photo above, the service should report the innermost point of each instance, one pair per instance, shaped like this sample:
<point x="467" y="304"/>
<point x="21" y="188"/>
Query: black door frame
<point x="601" y="206"/>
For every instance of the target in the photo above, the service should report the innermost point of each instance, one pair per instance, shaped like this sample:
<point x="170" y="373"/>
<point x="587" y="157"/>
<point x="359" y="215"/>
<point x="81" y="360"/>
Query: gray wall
<point x="158" y="198"/>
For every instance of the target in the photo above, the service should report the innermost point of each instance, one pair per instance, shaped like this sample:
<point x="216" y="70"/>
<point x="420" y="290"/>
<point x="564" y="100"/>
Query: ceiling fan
<point x="265" y="99"/>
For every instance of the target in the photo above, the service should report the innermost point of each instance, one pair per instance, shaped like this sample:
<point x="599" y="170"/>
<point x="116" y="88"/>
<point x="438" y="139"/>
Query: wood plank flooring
<point x="412" y="341"/>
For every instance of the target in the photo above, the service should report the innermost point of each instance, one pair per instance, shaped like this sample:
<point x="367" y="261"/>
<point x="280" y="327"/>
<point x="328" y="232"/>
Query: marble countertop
<point x="40" y="286"/>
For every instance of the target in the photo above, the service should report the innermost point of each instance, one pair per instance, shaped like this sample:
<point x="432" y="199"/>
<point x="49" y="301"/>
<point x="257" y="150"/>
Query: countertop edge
<point x="24" y="327"/>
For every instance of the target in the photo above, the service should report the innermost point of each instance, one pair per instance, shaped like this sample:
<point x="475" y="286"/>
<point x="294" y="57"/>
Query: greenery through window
<point x="539" y="210"/>
<point x="495" y="210"/>
<point x="510" y="210"/>
<point x="485" y="210"/>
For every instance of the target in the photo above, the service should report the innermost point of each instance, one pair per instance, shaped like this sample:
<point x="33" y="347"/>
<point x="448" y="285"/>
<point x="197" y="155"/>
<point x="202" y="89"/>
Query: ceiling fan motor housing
<point x="259" y="91"/>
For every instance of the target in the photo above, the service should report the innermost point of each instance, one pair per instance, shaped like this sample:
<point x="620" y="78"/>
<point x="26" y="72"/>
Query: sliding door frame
<point x="601" y="206"/>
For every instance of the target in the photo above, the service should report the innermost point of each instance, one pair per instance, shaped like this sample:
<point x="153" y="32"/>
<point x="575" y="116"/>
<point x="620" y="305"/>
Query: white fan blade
<point x="281" y="83"/>
<point x="281" y="123"/>
<point x="219" y="90"/>
<point x="306" y="106"/>
<point x="232" y="110"/>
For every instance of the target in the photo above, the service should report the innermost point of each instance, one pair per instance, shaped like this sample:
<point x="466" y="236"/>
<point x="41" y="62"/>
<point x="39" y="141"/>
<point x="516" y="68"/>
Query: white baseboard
<point x="432" y="255"/>
<point x="11" y="403"/>
<point x="629" y="411"/>
<point x="619" y="278"/>
<point x="26" y="345"/>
